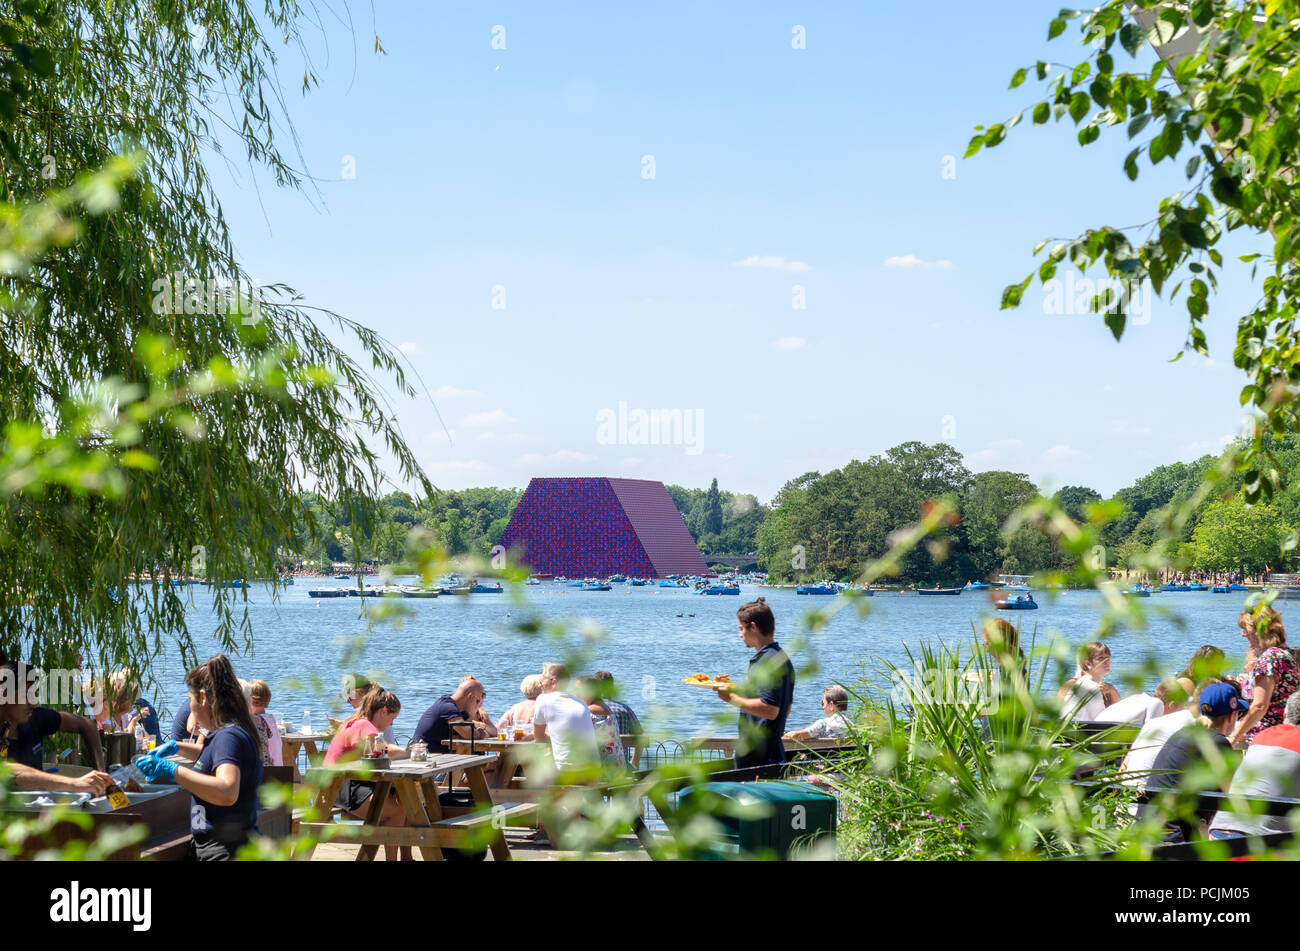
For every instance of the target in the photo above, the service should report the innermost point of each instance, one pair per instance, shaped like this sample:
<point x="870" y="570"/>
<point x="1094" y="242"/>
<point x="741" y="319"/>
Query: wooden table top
<point x="306" y="737"/>
<point x="405" y="768"/>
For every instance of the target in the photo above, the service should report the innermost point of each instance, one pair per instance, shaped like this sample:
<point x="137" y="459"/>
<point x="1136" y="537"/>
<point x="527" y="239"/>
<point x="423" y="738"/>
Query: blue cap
<point x="1218" y="700"/>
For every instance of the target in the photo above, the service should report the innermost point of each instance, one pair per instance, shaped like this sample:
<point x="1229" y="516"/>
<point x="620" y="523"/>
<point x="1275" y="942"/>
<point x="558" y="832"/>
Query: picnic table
<point x="291" y="743"/>
<point x="430" y="826"/>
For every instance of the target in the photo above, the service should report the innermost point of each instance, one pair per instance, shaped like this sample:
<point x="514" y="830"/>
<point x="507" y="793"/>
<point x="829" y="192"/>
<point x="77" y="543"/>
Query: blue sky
<point x="453" y="175"/>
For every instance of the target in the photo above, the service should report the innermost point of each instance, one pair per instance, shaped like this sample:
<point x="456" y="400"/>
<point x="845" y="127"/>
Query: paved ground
<point x="521" y="849"/>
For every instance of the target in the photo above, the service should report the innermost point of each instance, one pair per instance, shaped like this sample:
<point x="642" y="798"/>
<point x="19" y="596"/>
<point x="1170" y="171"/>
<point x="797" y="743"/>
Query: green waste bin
<point x="777" y="819"/>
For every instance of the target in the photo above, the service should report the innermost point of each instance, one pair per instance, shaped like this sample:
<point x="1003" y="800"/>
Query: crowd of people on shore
<point x="1245" y="724"/>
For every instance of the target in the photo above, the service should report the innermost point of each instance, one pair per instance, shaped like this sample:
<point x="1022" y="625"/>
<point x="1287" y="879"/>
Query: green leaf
<point x="1131" y="38"/>
<point x="1191" y="232"/>
<point x="1131" y="165"/>
<point x="1042" y="112"/>
<point x="1193" y="164"/>
<point x="1056" y="28"/>
<point x="1019" y="77"/>
<point x="1079" y="103"/>
<point x="1116" y="324"/>
<point x="1105" y="64"/>
<point x="994" y="135"/>
<point x="1089" y="134"/>
<point x="1138" y="124"/>
<point x="1247" y="258"/>
<point x="976" y="143"/>
<point x="1080" y="73"/>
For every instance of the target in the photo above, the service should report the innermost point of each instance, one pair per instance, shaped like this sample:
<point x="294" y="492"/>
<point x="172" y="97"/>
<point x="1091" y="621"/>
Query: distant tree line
<point x="830" y="525"/>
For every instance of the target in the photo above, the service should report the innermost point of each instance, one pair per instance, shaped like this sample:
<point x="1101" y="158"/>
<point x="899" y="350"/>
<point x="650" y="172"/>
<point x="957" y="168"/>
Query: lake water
<point x="654" y="637"/>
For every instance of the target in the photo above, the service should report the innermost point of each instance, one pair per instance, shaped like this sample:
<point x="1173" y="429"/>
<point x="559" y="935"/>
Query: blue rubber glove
<point x="155" y="768"/>
<point x="167" y="749"/>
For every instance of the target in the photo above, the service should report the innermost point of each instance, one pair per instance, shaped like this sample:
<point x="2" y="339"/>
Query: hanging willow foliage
<point x="141" y="300"/>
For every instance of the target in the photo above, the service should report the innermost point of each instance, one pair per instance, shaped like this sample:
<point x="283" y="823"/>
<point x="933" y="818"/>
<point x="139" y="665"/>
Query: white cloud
<point x="791" y="343"/>
<point x="1005" y="444"/>
<point x="559" y="457"/>
<point x="631" y="462"/>
<point x="492" y="417"/>
<point x="912" y="261"/>
<point x="409" y="349"/>
<point x="773" y="262"/>
<point x="982" y="457"/>
<point x="520" y="437"/>
<point x="446" y="392"/>
<point x="937" y="325"/>
<point x="1057" y="453"/>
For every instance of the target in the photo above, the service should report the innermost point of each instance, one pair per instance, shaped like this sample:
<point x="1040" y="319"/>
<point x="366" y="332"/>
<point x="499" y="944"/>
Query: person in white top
<point x="259" y="697"/>
<point x="1177" y="696"/>
<point x="1086" y="694"/>
<point x="565" y="721"/>
<point x="835" y="725"/>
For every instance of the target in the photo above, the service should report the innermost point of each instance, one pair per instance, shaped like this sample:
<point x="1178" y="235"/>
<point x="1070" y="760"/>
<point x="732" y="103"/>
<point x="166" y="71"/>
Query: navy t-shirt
<point x="1180" y="753"/>
<point x="433" y="726"/>
<point x="179" y="732"/>
<point x="230" y="824"/>
<point x="150" y="719"/>
<point x="770" y="679"/>
<point x="26" y="744"/>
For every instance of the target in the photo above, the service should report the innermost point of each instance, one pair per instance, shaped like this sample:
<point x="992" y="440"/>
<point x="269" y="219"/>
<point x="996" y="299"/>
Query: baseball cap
<point x="1218" y="700"/>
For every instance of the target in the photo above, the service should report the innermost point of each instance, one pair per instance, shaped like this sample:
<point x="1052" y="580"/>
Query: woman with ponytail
<point x="375" y="714"/>
<point x="227" y="770"/>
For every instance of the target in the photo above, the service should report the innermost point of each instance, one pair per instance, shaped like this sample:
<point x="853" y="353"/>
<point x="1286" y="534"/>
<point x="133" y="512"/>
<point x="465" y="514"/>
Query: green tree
<point x="714" y="522"/>
<point x="1230" y="121"/>
<point x="1233" y="534"/>
<point x="223" y="487"/>
<point x="1075" y="499"/>
<point x="993" y="497"/>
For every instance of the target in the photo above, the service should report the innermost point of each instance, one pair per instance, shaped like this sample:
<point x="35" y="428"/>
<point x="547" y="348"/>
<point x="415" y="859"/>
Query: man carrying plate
<point x="765" y="697"/>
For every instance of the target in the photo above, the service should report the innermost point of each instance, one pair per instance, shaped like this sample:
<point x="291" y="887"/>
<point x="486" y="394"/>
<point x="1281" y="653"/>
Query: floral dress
<point x="608" y="741"/>
<point x="1280" y="664"/>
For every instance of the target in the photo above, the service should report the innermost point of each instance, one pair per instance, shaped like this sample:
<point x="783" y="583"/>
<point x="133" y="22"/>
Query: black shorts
<point x="354" y="794"/>
<point x="208" y="848"/>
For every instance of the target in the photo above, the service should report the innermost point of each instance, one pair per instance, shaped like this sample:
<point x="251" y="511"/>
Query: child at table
<point x="376" y="712"/>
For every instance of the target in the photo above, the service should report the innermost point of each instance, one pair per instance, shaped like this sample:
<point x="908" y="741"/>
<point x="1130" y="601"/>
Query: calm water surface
<point x="654" y="638"/>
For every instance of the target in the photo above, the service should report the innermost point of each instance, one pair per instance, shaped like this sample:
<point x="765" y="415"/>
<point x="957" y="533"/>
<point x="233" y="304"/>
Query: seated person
<point x="435" y="727"/>
<point x="564" y="721"/>
<point x="1085" y="695"/>
<point x="354" y="688"/>
<point x="378" y="708"/>
<point x="608" y="741"/>
<point x="1204" y="740"/>
<point x="183" y="723"/>
<point x="1207" y="663"/>
<point x="834" y="725"/>
<point x="121" y="708"/>
<point x="23" y="728"/>
<point x="522" y="712"/>
<point x="1270" y="769"/>
<point x="1177" y="696"/>
<point x="628" y="722"/>
<point x="260" y="696"/>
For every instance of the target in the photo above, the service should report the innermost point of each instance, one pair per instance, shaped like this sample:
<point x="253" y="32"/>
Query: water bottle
<point x="141" y="743"/>
<point x="306" y="721"/>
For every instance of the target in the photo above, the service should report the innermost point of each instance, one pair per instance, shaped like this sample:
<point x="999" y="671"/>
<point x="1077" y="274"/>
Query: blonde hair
<point x="1266" y="624"/>
<point x="1089" y="654"/>
<point x="531" y="686"/>
<point x="554" y="670"/>
<point x="260" y="692"/>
